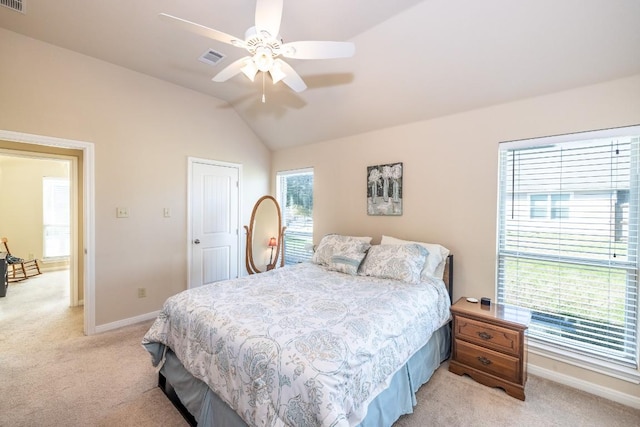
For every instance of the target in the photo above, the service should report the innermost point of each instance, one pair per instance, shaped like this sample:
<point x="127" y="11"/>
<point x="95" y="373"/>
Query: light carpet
<point x="53" y="375"/>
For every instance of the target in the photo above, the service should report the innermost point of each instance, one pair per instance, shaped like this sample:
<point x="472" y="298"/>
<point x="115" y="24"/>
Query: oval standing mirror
<point x="264" y="236"/>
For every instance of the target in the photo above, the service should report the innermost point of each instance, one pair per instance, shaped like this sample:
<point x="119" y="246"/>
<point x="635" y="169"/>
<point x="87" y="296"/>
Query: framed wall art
<point x="384" y="189"/>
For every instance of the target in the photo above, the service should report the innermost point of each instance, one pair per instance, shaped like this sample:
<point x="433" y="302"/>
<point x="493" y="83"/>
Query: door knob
<point x="197" y="241"/>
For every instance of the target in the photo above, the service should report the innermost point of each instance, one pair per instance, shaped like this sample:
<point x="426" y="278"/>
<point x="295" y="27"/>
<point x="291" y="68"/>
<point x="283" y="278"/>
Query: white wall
<point x="143" y="130"/>
<point x="450" y="179"/>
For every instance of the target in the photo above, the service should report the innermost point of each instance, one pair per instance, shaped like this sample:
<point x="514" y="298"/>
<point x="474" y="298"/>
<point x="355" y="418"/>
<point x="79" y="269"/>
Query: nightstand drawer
<point x="482" y="359"/>
<point x="489" y="336"/>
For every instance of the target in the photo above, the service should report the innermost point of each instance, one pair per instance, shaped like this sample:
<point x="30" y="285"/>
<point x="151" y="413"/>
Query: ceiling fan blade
<point x="201" y="30"/>
<point x="268" y="16"/>
<point x="318" y="50"/>
<point x="231" y="70"/>
<point x="291" y="79"/>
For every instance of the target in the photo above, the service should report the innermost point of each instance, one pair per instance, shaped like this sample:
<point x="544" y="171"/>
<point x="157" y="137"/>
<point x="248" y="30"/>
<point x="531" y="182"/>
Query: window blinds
<point x="295" y="195"/>
<point x="568" y="241"/>
<point x="56" y="217"/>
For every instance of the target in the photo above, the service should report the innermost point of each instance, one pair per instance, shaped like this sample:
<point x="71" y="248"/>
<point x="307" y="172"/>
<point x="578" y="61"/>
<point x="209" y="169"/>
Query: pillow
<point x="436" y="260"/>
<point x="346" y="262"/>
<point x="397" y="262"/>
<point x="365" y="239"/>
<point x="335" y="244"/>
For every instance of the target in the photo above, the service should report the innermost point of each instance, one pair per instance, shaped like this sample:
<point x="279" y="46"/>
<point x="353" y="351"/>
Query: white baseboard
<point x="598" y="390"/>
<point x="126" y="322"/>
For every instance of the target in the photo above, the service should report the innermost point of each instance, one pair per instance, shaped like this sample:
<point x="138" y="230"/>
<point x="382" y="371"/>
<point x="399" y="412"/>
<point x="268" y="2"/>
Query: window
<point x="56" y="217"/>
<point x="568" y="242"/>
<point x="560" y="206"/>
<point x="295" y="195"/>
<point x="549" y="206"/>
<point x="539" y="205"/>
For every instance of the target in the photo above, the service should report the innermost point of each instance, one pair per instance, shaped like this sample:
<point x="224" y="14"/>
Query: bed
<point x="344" y="340"/>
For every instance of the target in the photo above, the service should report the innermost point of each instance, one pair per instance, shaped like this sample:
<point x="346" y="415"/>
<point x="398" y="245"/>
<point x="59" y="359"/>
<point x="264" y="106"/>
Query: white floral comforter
<point x="300" y="345"/>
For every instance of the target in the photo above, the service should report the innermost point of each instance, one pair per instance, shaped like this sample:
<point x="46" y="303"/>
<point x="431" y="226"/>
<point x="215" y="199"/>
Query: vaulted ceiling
<point x="414" y="60"/>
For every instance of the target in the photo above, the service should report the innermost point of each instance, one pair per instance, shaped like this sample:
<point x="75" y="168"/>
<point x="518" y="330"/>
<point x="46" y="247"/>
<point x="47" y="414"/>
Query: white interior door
<point x="214" y="222"/>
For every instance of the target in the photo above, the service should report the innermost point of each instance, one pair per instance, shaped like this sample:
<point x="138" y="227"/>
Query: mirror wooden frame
<point x="279" y="252"/>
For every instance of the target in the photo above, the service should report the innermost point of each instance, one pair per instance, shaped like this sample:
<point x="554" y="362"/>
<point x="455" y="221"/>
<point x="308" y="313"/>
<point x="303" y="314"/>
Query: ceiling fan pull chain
<point x="263" y="98"/>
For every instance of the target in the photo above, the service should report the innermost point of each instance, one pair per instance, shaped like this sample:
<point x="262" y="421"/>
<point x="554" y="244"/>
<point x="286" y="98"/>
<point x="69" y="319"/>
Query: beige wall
<point x="450" y="179"/>
<point x="21" y="218"/>
<point x="143" y="130"/>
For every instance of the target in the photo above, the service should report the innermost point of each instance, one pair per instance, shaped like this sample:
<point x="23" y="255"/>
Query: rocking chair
<point x="18" y="268"/>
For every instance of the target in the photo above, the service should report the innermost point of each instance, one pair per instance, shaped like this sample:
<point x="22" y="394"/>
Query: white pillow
<point x="335" y="244"/>
<point x="436" y="260"/>
<point x="397" y="262"/>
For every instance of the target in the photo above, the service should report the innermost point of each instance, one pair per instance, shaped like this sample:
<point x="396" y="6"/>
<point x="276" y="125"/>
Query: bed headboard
<point x="448" y="276"/>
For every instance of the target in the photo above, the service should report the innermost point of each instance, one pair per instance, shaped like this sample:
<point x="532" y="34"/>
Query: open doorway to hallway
<point x="38" y="223"/>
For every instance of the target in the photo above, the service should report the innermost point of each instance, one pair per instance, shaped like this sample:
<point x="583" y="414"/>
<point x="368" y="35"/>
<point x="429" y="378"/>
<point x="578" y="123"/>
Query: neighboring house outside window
<point x="549" y="206"/>
<point x="56" y="217"/>
<point x="295" y="196"/>
<point x="568" y="245"/>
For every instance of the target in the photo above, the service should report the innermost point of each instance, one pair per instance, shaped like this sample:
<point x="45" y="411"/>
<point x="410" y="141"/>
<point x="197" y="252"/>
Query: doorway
<point x="82" y="259"/>
<point x="37" y="222"/>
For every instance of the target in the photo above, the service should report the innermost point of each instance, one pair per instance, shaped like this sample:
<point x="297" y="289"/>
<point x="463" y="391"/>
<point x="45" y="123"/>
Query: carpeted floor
<point x="53" y="375"/>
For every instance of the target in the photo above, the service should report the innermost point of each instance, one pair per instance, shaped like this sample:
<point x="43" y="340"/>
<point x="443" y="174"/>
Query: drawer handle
<point x="484" y="360"/>
<point x="485" y="336"/>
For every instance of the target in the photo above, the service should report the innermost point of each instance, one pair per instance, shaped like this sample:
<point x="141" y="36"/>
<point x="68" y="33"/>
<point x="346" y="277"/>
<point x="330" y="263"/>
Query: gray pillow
<point x="336" y="244"/>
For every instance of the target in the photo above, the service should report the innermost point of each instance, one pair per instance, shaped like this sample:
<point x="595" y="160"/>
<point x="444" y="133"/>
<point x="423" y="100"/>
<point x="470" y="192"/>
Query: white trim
<point x="295" y="171"/>
<point x="238" y="166"/>
<point x="622" y="131"/>
<point x="565" y="355"/>
<point x="88" y="211"/>
<point x="598" y="390"/>
<point x="126" y="322"/>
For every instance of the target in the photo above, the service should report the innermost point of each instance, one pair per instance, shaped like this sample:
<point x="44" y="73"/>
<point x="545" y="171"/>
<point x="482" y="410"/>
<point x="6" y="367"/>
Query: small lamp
<point x="272" y="244"/>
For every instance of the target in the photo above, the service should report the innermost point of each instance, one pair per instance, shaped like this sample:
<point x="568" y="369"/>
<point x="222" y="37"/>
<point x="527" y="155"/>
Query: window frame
<point x="542" y="347"/>
<point x="54" y="182"/>
<point x="290" y="232"/>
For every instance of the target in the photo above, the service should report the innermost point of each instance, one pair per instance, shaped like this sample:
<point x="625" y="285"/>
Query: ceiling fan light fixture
<point x="250" y="70"/>
<point x="276" y="72"/>
<point x="263" y="59"/>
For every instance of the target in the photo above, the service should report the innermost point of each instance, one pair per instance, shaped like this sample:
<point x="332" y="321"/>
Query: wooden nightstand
<point x="490" y="346"/>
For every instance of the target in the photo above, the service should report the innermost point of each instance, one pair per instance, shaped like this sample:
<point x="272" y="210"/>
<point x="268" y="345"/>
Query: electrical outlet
<point x="142" y="292"/>
<point x="167" y="212"/>
<point x="122" y="212"/>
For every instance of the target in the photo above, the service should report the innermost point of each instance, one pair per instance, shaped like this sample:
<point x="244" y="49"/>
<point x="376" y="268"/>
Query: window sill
<point x="582" y="361"/>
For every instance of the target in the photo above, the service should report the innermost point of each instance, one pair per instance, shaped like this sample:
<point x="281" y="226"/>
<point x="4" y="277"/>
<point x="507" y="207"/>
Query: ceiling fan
<point x="265" y="47"/>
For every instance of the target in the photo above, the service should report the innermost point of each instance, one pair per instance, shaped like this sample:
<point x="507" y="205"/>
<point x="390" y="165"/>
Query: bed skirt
<point x="206" y="409"/>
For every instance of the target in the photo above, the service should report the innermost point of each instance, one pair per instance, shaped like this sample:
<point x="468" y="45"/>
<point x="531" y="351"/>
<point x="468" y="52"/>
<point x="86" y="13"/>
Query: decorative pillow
<point x="346" y="262"/>
<point x="335" y="244"/>
<point x="436" y="260"/>
<point x="397" y="262"/>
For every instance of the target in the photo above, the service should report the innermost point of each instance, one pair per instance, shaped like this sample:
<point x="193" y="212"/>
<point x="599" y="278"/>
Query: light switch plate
<point x="122" y="212"/>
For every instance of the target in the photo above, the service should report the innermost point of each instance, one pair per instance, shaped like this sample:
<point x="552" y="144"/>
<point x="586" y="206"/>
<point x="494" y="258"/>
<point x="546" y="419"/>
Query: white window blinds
<point x="568" y="240"/>
<point x="295" y="195"/>
<point x="56" y="217"/>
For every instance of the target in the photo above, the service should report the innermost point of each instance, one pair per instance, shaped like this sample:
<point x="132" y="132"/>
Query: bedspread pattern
<point x="300" y="346"/>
